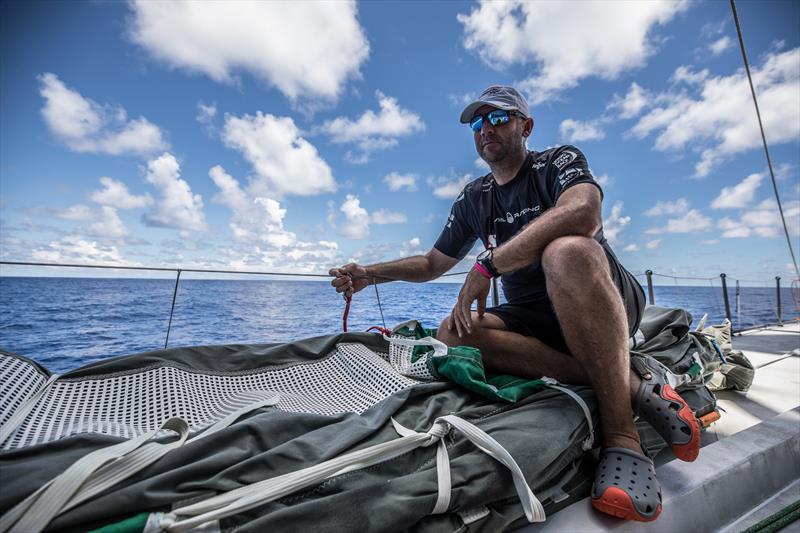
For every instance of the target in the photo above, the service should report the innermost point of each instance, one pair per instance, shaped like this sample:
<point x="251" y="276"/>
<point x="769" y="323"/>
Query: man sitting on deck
<point x="571" y="305"/>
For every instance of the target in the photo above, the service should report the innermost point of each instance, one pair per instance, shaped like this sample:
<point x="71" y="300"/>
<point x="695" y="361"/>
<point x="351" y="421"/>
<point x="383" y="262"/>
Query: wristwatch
<point x="485" y="260"/>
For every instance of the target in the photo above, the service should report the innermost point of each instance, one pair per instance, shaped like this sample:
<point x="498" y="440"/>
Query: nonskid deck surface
<point x="749" y="465"/>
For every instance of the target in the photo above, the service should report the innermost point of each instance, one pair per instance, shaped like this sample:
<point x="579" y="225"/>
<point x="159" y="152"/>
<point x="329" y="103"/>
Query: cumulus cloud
<point x="579" y="131"/>
<point x="678" y="207"/>
<point x="108" y="224"/>
<point x="356" y="225"/>
<point x="283" y="161"/>
<point x="632" y="103"/>
<point x="764" y="220"/>
<point x="397" y="181"/>
<point x="253" y="220"/>
<point x="75" y="212"/>
<point x="384" y="216"/>
<point x="631" y="248"/>
<point x="74" y="249"/>
<point x="448" y="187"/>
<point x="691" y="222"/>
<point x="304" y="49"/>
<point x="206" y="115"/>
<point x="604" y="180"/>
<point x="740" y="194"/>
<point x="176" y="207"/>
<point x="372" y="132"/>
<point x="563" y="44"/>
<point x="86" y="126"/>
<point x="615" y="223"/>
<point x="652" y="245"/>
<point x="115" y="194"/>
<point x="720" y="45"/>
<point x="714" y="115"/>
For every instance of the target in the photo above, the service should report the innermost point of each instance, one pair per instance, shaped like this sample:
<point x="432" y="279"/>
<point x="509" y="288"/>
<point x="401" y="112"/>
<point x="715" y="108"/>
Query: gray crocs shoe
<point x="664" y="409"/>
<point x="625" y="486"/>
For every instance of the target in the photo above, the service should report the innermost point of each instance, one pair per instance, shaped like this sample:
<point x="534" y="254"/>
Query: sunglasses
<point x="495" y="118"/>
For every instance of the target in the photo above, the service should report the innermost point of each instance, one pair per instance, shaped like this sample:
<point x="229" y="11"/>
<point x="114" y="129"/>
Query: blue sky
<point x="298" y="136"/>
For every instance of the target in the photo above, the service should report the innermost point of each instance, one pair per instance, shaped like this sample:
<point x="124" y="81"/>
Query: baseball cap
<point x="498" y="96"/>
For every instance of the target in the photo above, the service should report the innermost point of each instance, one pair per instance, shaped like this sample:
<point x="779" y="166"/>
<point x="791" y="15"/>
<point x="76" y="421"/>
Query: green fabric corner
<point x="131" y="524"/>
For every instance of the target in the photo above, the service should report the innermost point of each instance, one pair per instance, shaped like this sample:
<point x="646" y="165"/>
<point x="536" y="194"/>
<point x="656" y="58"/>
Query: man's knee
<point x="573" y="256"/>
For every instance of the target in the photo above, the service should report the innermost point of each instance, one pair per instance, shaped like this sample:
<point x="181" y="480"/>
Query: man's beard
<point x="497" y="153"/>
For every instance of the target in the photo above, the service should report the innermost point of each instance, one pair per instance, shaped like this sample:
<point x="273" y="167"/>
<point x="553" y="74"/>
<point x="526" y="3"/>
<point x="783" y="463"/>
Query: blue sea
<point x="64" y="323"/>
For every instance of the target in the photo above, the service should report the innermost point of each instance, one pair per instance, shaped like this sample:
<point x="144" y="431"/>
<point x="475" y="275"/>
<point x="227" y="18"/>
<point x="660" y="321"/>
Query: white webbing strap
<point x="442" y="470"/>
<point x="439" y="348"/>
<point x="100" y="470"/>
<point x="257" y="494"/>
<point x="19" y="415"/>
<point x="588" y="443"/>
<point x="37" y="510"/>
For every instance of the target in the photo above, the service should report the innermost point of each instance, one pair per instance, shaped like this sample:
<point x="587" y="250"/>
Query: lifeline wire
<point x="763" y="136"/>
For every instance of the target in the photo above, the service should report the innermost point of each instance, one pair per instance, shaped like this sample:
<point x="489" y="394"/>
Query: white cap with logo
<point x="499" y="96"/>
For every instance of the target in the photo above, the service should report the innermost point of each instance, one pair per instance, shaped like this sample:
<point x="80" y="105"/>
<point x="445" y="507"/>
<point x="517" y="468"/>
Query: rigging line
<point x="380" y="308"/>
<point x="166" y="269"/>
<point x="763" y="136"/>
<point x="172" y="310"/>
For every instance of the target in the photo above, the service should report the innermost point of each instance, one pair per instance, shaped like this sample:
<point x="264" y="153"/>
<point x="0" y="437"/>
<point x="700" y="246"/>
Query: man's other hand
<point x="476" y="287"/>
<point x="349" y="279"/>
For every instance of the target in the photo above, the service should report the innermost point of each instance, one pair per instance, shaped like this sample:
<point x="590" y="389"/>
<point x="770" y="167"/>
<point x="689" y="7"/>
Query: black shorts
<point x="538" y="319"/>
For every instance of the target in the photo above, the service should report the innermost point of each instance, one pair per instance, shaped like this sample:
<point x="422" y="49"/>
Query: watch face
<point x="486" y="254"/>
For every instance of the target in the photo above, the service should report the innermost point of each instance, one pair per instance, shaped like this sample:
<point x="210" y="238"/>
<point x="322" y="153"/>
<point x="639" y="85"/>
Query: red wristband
<point x="482" y="269"/>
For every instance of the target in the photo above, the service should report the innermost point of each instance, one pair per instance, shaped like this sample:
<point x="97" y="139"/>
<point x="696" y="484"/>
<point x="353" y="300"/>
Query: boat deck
<point x="749" y="466"/>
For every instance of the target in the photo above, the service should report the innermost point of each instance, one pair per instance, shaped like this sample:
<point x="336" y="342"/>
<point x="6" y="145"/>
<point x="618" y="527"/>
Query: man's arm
<point x="352" y="277"/>
<point x="577" y="212"/>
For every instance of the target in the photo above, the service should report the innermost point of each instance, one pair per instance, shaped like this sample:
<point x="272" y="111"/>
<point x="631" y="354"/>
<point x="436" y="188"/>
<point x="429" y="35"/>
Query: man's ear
<point x="528" y="129"/>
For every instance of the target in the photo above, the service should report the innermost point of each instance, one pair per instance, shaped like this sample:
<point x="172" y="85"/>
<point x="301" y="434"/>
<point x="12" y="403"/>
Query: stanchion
<point x="725" y="296"/>
<point x="495" y="293"/>
<point x="778" y="293"/>
<point x="649" y="274"/>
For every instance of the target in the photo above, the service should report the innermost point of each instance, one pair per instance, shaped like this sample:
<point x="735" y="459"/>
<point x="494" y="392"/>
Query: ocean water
<point x="64" y="323"/>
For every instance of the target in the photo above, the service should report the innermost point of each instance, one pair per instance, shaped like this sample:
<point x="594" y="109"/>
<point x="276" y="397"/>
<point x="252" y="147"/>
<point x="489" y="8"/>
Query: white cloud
<point x="764" y="220"/>
<point x="565" y="44"/>
<point x="719" y="120"/>
<point x="652" y="245"/>
<point x="578" y="131"/>
<point x="397" y="181"/>
<point x="108" y="224"/>
<point x="615" y="223"/>
<point x="410" y="247"/>
<point x="631" y="248"/>
<point x="356" y="225"/>
<point x="206" y="115"/>
<point x="74" y="249"/>
<point x="115" y="194"/>
<point x="372" y="132"/>
<point x="604" y="180"/>
<point x="739" y="195"/>
<point x="720" y="45"/>
<point x="86" y="126"/>
<point x="75" y="212"/>
<point x="284" y="162"/>
<point x="632" y="103"/>
<point x="678" y="207"/>
<point x="684" y="74"/>
<point x="448" y="187"/>
<point x="253" y="220"/>
<point x="691" y="222"/>
<point x="384" y="216"/>
<point x="304" y="49"/>
<point x="177" y="207"/>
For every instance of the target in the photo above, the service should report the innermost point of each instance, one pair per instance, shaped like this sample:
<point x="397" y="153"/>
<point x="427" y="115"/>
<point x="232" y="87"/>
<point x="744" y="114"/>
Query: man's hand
<point x="476" y="287"/>
<point x="349" y="279"/>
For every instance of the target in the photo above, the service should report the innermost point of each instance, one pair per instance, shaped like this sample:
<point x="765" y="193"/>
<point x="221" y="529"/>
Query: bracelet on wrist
<point x="482" y="270"/>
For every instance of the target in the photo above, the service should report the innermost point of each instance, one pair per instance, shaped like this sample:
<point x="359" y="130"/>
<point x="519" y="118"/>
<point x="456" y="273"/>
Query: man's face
<point x="495" y="143"/>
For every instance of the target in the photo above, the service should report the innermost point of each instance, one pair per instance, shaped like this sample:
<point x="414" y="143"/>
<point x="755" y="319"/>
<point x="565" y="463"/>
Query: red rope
<point x="385" y="331"/>
<point x="347" y="299"/>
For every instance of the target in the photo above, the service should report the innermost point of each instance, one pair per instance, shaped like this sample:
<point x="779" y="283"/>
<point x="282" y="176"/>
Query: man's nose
<point x="486" y="127"/>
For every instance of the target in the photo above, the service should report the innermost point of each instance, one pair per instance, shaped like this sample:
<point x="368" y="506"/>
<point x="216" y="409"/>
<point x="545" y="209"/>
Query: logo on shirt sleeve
<point x="566" y="157"/>
<point x="569" y="175"/>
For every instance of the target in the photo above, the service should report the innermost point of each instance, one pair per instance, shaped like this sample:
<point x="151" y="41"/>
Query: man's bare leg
<point x="507" y="352"/>
<point x="592" y="316"/>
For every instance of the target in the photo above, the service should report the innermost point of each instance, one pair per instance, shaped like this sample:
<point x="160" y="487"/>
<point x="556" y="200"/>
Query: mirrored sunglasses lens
<point x="476" y="123"/>
<point x="498" y="117"/>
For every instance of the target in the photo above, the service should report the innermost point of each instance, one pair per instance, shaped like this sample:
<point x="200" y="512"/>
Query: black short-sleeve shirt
<point x="494" y="213"/>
